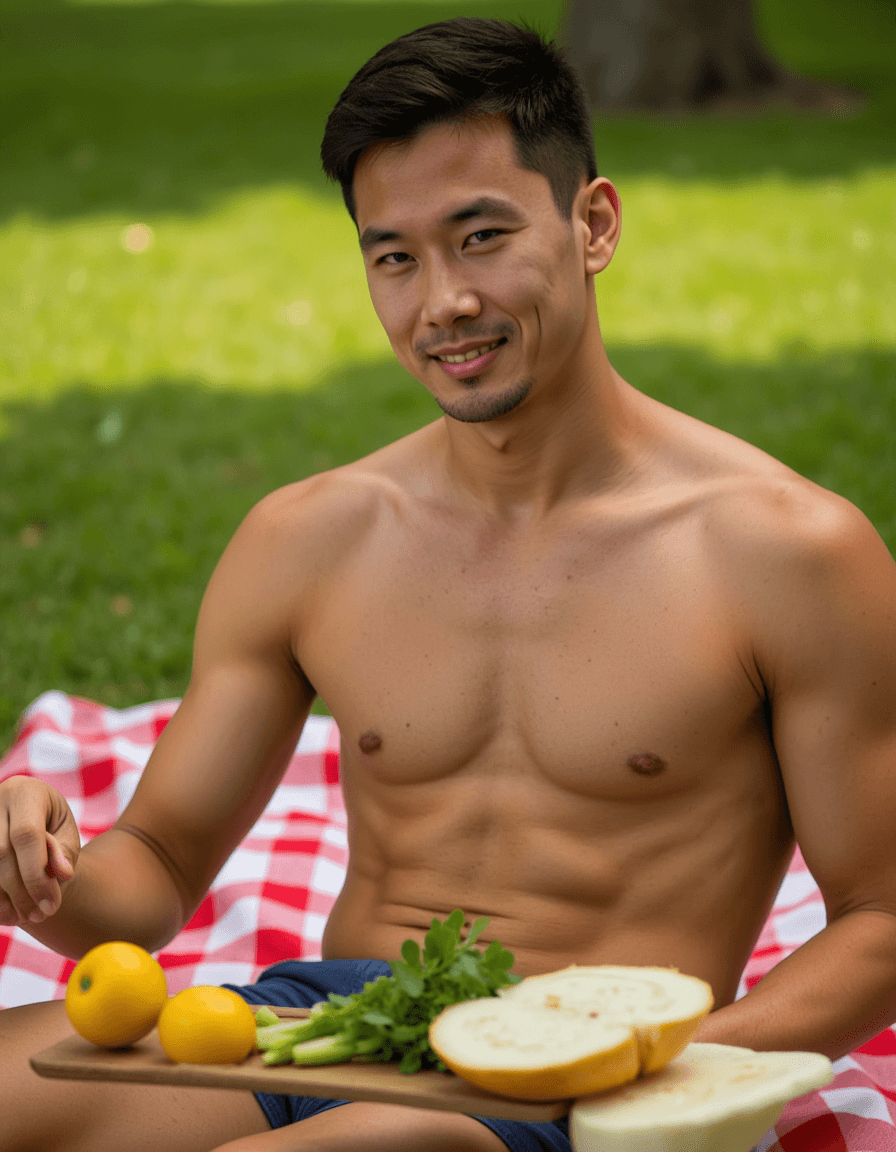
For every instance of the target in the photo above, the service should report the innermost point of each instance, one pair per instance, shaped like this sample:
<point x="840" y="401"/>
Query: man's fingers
<point x="12" y="888"/>
<point x="58" y="864"/>
<point x="60" y="871"/>
<point x="12" y="892"/>
<point x="34" y="886"/>
<point x="8" y="915"/>
<point x="29" y="865"/>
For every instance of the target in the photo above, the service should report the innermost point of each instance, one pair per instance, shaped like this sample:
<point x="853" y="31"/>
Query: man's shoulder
<point x="780" y="545"/>
<point x="329" y="510"/>
<point x="798" y="566"/>
<point x="758" y="506"/>
<point x="766" y="511"/>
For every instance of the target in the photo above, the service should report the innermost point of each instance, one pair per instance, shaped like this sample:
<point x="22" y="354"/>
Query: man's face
<point x="478" y="281"/>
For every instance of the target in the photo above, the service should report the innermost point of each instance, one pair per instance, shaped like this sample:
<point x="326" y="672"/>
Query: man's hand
<point x="39" y="846"/>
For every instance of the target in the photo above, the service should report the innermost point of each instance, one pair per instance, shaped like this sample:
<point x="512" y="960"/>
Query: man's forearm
<point x="120" y="891"/>
<point x="831" y="995"/>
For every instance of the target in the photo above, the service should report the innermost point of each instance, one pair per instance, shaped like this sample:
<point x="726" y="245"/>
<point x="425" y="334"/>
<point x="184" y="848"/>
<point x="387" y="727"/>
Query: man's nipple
<point x="646" y="764"/>
<point x="370" y="741"/>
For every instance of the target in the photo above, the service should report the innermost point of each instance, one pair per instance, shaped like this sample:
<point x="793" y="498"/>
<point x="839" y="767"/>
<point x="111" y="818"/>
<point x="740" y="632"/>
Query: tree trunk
<point x="680" y="54"/>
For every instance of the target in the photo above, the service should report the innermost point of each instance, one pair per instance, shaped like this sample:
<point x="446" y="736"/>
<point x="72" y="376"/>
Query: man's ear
<point x="599" y="209"/>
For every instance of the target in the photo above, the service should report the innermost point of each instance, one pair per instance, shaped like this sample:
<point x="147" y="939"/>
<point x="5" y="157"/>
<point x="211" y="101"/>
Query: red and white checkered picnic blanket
<point x="271" y="900"/>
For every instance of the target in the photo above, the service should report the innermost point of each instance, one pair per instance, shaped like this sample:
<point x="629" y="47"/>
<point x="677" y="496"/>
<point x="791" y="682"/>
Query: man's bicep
<point x="214" y="769"/>
<point x="834" y="720"/>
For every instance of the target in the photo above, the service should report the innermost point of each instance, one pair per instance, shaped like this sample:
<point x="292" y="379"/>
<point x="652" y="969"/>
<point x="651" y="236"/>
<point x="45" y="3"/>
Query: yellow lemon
<point x="207" y="1025"/>
<point x="115" y="994"/>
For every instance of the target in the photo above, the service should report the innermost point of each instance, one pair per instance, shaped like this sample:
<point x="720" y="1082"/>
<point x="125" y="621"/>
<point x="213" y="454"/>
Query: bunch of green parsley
<point x="390" y="1019"/>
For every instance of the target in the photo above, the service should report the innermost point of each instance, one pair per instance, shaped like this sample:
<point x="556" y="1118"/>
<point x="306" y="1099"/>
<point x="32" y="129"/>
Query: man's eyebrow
<point x="489" y="206"/>
<point x="370" y="237"/>
<point x="485" y="206"/>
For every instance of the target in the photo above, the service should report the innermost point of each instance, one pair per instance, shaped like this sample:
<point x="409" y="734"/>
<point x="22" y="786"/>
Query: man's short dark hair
<point x="461" y="69"/>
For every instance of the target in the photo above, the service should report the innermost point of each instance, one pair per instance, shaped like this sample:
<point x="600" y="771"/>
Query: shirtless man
<point x="594" y="663"/>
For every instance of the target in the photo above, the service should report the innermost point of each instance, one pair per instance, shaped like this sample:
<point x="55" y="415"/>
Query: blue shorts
<point x="301" y="983"/>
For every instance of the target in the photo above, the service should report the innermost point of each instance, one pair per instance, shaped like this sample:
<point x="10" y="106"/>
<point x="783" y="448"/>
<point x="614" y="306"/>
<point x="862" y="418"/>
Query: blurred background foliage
<point x="184" y="323"/>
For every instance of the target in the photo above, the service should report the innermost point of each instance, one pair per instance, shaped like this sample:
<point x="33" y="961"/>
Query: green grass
<point x="148" y="398"/>
<point x="123" y="504"/>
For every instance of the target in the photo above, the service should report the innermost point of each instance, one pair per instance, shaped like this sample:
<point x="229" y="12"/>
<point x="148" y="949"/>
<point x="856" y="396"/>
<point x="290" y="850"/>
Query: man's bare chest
<point x="610" y="663"/>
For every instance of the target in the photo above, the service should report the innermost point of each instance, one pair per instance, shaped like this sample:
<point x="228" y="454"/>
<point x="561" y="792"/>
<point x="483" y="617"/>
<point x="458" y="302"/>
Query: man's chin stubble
<point x="478" y="407"/>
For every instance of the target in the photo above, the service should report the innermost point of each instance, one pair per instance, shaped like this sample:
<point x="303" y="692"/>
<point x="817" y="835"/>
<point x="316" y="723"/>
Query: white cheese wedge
<point x="710" y="1098"/>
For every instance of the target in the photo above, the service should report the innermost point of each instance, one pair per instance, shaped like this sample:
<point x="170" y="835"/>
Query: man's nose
<point x="448" y="296"/>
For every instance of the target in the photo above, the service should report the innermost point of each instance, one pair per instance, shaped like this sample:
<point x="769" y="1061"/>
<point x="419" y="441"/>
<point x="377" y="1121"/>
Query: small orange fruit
<point x="115" y="994"/>
<point x="207" y="1025"/>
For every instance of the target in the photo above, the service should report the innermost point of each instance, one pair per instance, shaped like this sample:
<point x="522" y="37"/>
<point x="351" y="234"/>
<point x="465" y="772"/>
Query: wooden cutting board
<point x="145" y="1063"/>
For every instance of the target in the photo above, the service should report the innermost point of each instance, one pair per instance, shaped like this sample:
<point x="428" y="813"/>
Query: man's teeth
<point x="470" y="355"/>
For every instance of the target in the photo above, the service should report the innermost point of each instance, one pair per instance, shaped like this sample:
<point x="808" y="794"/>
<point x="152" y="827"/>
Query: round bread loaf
<point x="571" y="1033"/>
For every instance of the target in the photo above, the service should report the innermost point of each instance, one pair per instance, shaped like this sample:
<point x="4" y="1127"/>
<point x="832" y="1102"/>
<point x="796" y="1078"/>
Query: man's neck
<point x="570" y="439"/>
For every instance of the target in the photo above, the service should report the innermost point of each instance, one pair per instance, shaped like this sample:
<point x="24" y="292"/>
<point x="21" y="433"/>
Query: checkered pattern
<point x="270" y="901"/>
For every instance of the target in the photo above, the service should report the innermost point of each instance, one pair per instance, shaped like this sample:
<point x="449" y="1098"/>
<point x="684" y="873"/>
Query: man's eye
<point x="394" y="258"/>
<point x="485" y="234"/>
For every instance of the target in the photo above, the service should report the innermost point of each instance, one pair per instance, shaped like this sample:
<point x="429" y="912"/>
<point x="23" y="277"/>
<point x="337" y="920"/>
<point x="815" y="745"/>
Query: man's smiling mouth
<point x="461" y="357"/>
